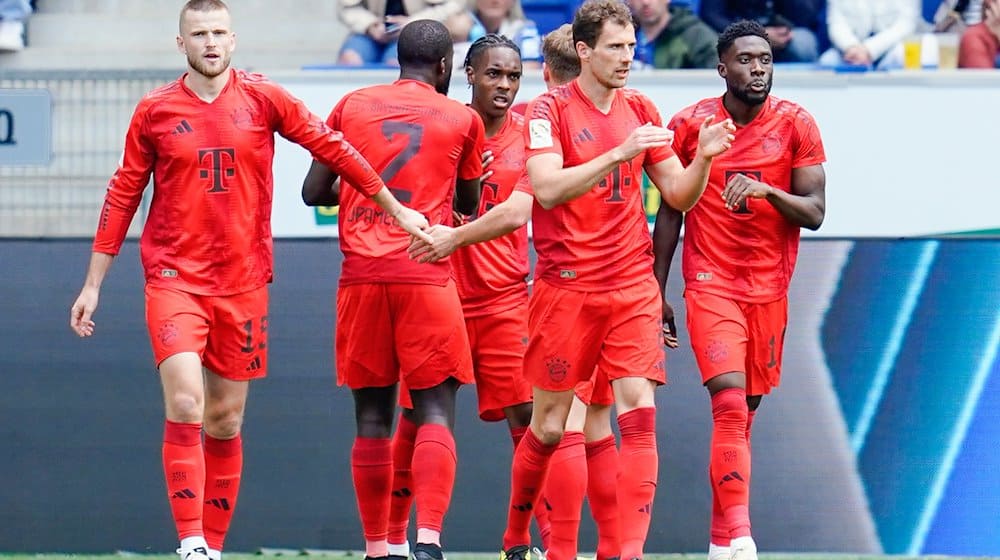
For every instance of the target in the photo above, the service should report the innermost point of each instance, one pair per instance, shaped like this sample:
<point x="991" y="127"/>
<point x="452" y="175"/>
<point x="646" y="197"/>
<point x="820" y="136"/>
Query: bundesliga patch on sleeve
<point x="540" y="134"/>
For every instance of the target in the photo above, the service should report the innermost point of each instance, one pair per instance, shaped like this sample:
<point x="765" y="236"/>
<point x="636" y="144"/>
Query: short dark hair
<point x="559" y="54"/>
<point x="737" y="29"/>
<point x="423" y="43"/>
<point x="590" y="18"/>
<point x="487" y="42"/>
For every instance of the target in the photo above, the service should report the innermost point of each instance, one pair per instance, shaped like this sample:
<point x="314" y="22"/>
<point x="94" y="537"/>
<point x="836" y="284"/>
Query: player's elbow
<point x="546" y="198"/>
<point x="317" y="192"/>
<point x="813" y="222"/>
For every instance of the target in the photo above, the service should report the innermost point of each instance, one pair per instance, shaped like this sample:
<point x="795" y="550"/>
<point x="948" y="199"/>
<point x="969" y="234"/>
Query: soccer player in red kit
<point x="740" y="244"/>
<point x="596" y="304"/>
<point x="399" y="320"/>
<point x="491" y="270"/>
<point x="207" y="139"/>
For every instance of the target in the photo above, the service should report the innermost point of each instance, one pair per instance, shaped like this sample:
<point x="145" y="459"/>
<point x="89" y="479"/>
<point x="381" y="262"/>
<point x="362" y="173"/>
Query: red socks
<point x="636" y="478"/>
<point x="729" y="466"/>
<point x="542" y="511"/>
<point x="531" y="461"/>
<point x="223" y="467"/>
<point x="434" y="462"/>
<point x="371" y="468"/>
<point x="565" y="488"/>
<point x="184" y="470"/>
<point x="402" y="479"/>
<point x="602" y="494"/>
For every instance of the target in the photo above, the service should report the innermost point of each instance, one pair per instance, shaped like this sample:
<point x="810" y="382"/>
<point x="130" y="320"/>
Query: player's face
<point x="207" y="41"/>
<point x="747" y="69"/>
<point x="495" y="80"/>
<point x="611" y="58"/>
<point x="649" y="12"/>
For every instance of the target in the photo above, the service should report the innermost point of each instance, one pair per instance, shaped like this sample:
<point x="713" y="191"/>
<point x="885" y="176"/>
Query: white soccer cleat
<point x="197" y="553"/>
<point x="742" y="548"/>
<point x="716" y="552"/>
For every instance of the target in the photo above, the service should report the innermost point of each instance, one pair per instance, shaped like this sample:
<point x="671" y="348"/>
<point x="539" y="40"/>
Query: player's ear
<point x="180" y="45"/>
<point x="722" y="69"/>
<point x="469" y="72"/>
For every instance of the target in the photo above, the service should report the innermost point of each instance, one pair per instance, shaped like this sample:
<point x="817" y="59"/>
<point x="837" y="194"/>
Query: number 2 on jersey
<point x="414" y="133"/>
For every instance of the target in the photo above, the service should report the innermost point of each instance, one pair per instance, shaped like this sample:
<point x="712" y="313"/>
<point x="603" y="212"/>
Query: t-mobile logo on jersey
<point x="217" y="166"/>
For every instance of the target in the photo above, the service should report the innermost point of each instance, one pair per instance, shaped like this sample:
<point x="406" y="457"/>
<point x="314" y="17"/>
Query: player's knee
<point x="729" y="409"/>
<point x="550" y="431"/>
<point x="632" y="393"/>
<point x="224" y="424"/>
<point x="185" y="408"/>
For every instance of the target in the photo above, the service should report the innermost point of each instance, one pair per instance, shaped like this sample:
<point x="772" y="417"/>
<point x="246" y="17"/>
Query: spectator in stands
<point x="503" y="17"/>
<point x="954" y="16"/>
<point x="869" y="32"/>
<point x="791" y="25"/>
<point x="13" y="14"/>
<point x="980" y="45"/>
<point x="375" y="26"/>
<point x="672" y="36"/>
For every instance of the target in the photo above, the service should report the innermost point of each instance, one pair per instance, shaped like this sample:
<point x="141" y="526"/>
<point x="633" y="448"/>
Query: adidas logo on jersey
<point x="183" y="127"/>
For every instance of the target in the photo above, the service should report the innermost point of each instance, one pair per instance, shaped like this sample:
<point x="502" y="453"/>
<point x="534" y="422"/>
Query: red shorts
<point x="498" y="343"/>
<point x="596" y="390"/>
<point x="392" y="332"/>
<point x="732" y="336"/>
<point x="571" y="333"/>
<point x="229" y="333"/>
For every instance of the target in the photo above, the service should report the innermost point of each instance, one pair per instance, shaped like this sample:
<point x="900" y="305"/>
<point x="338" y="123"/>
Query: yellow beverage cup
<point x="911" y="52"/>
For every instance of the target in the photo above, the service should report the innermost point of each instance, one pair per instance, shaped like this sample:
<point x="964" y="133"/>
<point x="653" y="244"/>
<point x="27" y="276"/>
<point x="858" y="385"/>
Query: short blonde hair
<point x="201" y="6"/>
<point x="559" y="54"/>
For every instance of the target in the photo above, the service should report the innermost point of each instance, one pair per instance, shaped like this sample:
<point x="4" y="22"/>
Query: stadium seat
<point x="549" y="14"/>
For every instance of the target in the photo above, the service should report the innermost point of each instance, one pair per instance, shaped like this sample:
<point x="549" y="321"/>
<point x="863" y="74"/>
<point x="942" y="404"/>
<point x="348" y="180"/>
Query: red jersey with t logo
<point x="491" y="275"/>
<point x="420" y="142"/>
<point x="208" y="230"/>
<point x="600" y="240"/>
<point x="749" y="253"/>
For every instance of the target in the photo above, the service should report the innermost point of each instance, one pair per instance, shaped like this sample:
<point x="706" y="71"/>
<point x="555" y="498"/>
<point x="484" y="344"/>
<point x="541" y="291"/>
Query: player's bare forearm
<point x="500" y="220"/>
<point x="555" y="184"/>
<point x="666" y="234"/>
<point x="321" y="187"/>
<point x="386" y="201"/>
<point x="467" y="195"/>
<point x="804" y="211"/>
<point x="690" y="184"/>
<point x="805" y="206"/>
<point x="97" y="270"/>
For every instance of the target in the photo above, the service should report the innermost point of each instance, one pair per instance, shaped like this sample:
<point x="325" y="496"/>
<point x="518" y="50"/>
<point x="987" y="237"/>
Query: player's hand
<point x="443" y="243"/>
<point x="82" y="311"/>
<point x="714" y="139"/>
<point x="487" y="160"/>
<point x="740" y="187"/>
<point x="643" y="138"/>
<point x="669" y="326"/>
<point x="413" y="222"/>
